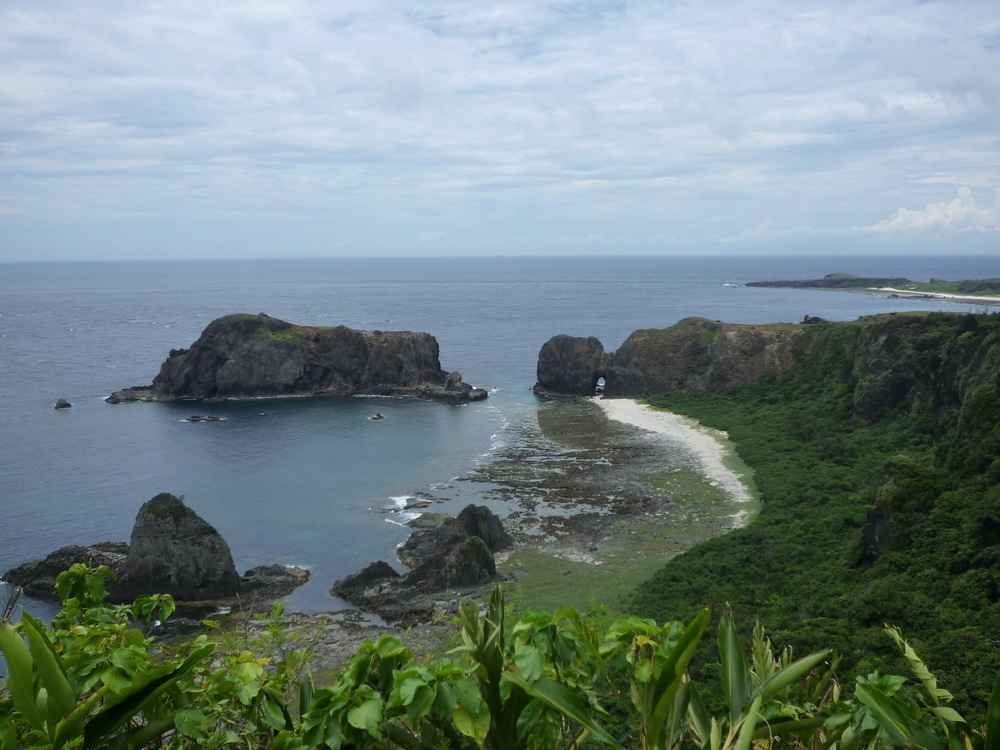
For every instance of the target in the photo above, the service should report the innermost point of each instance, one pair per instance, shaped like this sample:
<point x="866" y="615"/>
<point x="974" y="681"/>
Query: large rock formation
<point x="698" y="353"/>
<point x="457" y="554"/>
<point x="570" y="366"/>
<point x="172" y="551"/>
<point x="175" y="551"/>
<point x="888" y="360"/>
<point x="38" y="577"/>
<point x="695" y="353"/>
<point x="255" y="356"/>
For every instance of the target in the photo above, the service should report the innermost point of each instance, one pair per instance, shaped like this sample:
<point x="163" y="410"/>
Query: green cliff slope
<point x="878" y="461"/>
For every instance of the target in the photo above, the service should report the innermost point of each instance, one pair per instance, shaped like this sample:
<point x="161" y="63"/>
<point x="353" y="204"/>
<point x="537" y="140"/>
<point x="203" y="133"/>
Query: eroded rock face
<point x="175" y="551"/>
<point x="38" y="577"/>
<point x="698" y="353"/>
<point x="570" y="366"/>
<point x="456" y="554"/>
<point x="255" y="356"/>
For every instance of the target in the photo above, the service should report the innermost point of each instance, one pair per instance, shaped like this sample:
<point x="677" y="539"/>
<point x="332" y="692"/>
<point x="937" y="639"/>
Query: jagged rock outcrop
<point x="63" y="404"/>
<point x="175" y="551"/>
<point x="458" y="553"/>
<point x="889" y="360"/>
<point x="256" y="356"/>
<point x="38" y="577"/>
<point x="697" y="353"/>
<point x="172" y="551"/>
<point x="570" y="366"/>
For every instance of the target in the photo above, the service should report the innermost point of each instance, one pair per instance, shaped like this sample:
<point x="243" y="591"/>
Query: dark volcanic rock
<point x="698" y="353"/>
<point x="256" y="356"/>
<point x="458" y="553"/>
<point x="570" y="366"/>
<point x="63" y="404"/>
<point x="174" y="551"/>
<point x="429" y="546"/>
<point x="372" y="577"/>
<point x="469" y="564"/>
<point x="271" y="581"/>
<point x="38" y="577"/>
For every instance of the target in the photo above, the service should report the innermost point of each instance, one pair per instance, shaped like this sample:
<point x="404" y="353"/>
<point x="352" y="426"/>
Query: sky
<point x="299" y="128"/>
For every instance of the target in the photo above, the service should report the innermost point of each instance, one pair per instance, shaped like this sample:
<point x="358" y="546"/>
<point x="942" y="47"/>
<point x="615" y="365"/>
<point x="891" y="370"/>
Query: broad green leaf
<point x="735" y="670"/>
<point x="111" y="718"/>
<point x="188" y="722"/>
<point x="476" y="726"/>
<point x="367" y="716"/>
<point x="274" y="715"/>
<point x="892" y="717"/>
<point x="947" y="713"/>
<point x="749" y="725"/>
<point x="528" y="661"/>
<point x="143" y="735"/>
<point x="468" y="693"/>
<point x="700" y="720"/>
<point x="21" y="671"/>
<point x="672" y="674"/>
<point x="794" y="672"/>
<point x="565" y="702"/>
<point x="61" y="695"/>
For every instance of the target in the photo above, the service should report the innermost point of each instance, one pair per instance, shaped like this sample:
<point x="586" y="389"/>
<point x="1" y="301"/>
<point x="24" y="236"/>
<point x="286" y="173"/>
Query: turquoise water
<point x="315" y="482"/>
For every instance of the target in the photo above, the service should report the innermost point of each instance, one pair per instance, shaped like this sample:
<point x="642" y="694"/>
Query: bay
<point x="315" y="482"/>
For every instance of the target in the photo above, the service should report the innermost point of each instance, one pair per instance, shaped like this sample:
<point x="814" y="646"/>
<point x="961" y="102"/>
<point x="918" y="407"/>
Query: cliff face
<point x="698" y="353"/>
<point x="937" y="359"/>
<point x="253" y="356"/>
<point x="694" y="353"/>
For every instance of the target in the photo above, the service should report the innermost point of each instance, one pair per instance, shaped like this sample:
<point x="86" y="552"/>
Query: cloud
<point x="524" y="121"/>
<point x="962" y="214"/>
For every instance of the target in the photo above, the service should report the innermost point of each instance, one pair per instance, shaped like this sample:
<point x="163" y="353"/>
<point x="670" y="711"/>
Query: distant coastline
<point x="982" y="292"/>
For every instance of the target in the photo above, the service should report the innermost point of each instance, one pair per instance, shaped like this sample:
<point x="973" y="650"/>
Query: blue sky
<point x="161" y="129"/>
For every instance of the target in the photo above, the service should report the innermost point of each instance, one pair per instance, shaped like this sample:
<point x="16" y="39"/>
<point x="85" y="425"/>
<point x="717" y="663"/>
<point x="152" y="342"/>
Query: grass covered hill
<point x="878" y="461"/>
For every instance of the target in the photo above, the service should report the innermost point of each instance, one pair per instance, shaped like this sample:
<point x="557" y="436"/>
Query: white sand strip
<point x="704" y="443"/>
<point x="966" y="298"/>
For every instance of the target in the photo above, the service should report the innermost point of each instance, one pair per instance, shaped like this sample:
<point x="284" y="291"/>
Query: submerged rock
<point x="257" y="356"/>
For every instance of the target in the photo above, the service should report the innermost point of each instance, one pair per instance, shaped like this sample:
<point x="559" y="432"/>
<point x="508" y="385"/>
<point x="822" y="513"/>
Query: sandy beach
<point x="704" y="443"/>
<point x="942" y="296"/>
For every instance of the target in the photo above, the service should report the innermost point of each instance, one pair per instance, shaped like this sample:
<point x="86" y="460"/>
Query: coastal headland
<point x="974" y="292"/>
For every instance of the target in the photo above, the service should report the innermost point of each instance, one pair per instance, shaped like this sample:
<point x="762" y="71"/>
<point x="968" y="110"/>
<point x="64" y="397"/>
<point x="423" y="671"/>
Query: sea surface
<point x="315" y="482"/>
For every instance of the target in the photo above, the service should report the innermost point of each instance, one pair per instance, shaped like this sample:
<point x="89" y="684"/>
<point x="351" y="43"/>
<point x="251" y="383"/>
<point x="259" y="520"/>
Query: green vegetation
<point x="890" y="519"/>
<point x="985" y="287"/>
<point x="561" y="680"/>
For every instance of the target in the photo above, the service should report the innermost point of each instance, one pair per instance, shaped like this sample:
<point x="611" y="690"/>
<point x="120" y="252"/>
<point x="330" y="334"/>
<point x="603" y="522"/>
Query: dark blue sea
<point x="315" y="482"/>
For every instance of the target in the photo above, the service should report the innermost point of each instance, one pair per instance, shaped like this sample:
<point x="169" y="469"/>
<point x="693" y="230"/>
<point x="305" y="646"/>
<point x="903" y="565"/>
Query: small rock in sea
<point x="63" y="404"/>
<point x="197" y="418"/>
<point x="376" y="417"/>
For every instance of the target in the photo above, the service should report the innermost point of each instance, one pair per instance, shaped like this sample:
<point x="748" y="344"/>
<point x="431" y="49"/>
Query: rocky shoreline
<point x="571" y="488"/>
<point x="575" y="490"/>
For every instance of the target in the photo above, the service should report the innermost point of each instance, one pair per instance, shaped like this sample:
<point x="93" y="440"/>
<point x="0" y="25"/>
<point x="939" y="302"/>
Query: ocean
<point x="315" y="482"/>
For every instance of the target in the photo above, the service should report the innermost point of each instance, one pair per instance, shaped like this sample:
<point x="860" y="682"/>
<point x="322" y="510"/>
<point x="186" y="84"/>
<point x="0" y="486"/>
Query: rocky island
<point x="172" y="550"/>
<point x="256" y="356"/>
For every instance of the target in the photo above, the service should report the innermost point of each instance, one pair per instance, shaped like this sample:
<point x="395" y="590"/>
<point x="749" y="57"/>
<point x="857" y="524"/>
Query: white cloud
<point x="522" y="121"/>
<point x="960" y="214"/>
